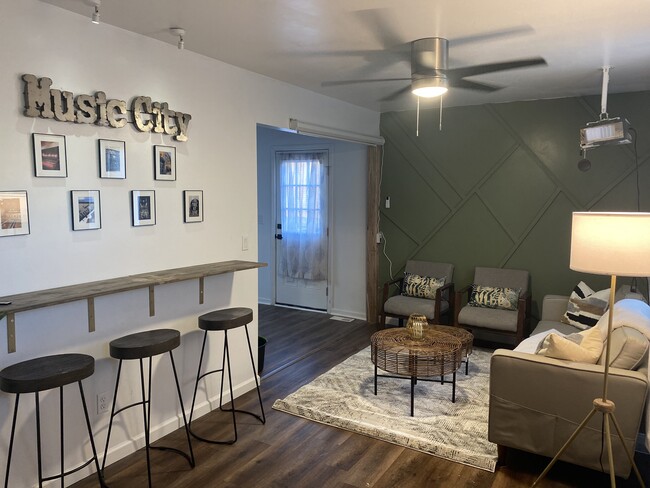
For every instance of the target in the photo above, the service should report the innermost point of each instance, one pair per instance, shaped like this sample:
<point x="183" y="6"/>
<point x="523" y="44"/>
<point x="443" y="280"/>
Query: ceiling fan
<point x="431" y="76"/>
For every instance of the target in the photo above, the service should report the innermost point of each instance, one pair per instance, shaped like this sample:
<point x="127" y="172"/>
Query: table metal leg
<point x="413" y="380"/>
<point x="453" y="388"/>
<point x="375" y="379"/>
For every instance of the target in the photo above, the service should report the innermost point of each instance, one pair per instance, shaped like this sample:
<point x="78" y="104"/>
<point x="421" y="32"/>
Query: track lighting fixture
<point x="177" y="31"/>
<point x="95" y="17"/>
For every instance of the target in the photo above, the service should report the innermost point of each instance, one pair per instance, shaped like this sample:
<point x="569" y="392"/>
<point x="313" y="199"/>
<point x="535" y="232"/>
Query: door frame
<point x="329" y="148"/>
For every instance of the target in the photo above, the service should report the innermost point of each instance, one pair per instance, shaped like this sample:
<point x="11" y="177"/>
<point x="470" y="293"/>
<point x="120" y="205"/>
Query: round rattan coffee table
<point x="434" y="354"/>
<point x="465" y="337"/>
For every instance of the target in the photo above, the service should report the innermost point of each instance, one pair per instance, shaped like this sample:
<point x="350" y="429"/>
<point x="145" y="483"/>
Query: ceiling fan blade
<point x="380" y="25"/>
<point x="396" y="94"/>
<point x="488" y="36"/>
<point x="353" y="82"/>
<point x="473" y="85"/>
<point x="458" y="73"/>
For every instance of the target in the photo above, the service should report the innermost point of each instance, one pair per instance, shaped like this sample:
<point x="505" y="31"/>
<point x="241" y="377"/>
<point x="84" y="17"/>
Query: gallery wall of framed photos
<point x="50" y="160"/>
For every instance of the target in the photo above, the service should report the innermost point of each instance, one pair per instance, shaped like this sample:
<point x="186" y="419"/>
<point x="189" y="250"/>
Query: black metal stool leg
<point x="198" y="377"/>
<point x="110" y="422"/>
<point x="232" y="395"/>
<point x="146" y="424"/>
<point x="61" y="434"/>
<point x="257" y="384"/>
<point x="38" y="441"/>
<point x="11" y="440"/>
<point x="100" y="475"/>
<point x="190" y="458"/>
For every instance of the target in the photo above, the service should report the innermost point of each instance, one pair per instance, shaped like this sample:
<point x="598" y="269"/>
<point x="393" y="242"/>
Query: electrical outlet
<point x="244" y="243"/>
<point x="379" y="237"/>
<point x="103" y="402"/>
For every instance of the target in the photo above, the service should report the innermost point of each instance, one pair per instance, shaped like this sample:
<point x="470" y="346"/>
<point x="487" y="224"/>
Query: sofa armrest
<point x="554" y="307"/>
<point x="540" y="418"/>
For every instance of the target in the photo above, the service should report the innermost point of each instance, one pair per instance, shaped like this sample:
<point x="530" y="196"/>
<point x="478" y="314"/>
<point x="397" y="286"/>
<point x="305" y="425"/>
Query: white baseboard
<point x="348" y="313"/>
<point x="264" y="301"/>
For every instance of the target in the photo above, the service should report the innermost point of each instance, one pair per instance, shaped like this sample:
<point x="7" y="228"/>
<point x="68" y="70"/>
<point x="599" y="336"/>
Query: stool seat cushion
<point x="145" y="344"/>
<point x="46" y="372"/>
<point x="228" y="318"/>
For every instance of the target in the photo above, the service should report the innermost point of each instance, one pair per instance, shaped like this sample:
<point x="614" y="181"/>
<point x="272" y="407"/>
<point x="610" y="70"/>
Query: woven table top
<point x="465" y="336"/>
<point x="435" y="354"/>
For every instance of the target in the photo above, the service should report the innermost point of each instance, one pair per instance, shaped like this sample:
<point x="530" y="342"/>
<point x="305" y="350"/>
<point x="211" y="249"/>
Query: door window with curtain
<point x="303" y="215"/>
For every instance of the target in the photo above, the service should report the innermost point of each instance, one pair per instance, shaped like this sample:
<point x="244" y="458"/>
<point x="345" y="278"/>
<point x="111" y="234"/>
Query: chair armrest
<point x="448" y="291"/>
<point x="539" y="419"/>
<point x="523" y="316"/>
<point x="387" y="286"/>
<point x="458" y="301"/>
<point x="554" y="307"/>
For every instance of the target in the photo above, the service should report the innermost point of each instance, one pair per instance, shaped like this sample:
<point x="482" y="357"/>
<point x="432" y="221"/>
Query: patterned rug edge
<point x="442" y="451"/>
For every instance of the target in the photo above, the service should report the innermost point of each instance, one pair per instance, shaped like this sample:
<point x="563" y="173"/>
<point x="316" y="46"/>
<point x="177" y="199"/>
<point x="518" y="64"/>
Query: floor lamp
<point x="616" y="244"/>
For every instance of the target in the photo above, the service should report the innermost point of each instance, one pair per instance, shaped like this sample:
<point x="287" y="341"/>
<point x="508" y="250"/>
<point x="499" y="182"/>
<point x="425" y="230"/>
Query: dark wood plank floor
<point x="292" y="452"/>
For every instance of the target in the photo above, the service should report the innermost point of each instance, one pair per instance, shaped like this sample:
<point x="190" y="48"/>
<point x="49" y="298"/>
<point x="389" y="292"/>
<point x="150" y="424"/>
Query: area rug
<point x="344" y="397"/>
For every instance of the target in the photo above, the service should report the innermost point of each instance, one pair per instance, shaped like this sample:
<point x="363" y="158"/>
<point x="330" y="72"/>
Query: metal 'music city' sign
<point x="49" y="103"/>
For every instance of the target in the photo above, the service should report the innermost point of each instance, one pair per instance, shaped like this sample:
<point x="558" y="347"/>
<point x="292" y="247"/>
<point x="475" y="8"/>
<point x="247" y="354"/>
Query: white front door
<point x="301" y="236"/>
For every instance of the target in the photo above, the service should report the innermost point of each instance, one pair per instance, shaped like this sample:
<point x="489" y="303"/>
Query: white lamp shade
<point x="611" y="243"/>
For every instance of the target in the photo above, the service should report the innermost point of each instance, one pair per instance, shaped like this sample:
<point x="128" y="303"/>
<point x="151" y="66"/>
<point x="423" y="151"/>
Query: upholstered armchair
<point x="504" y="312"/>
<point x="401" y="306"/>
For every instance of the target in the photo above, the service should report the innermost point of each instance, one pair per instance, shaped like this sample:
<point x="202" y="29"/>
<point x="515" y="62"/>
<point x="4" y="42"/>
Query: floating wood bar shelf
<point x="88" y="291"/>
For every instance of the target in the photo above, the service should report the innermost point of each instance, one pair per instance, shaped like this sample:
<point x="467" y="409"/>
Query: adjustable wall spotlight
<point x="95" y="17"/>
<point x="177" y="31"/>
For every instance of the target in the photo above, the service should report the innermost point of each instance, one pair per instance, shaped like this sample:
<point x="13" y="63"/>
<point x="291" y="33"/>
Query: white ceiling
<point x="297" y="41"/>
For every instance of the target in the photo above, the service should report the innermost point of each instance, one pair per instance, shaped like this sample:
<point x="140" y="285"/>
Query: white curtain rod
<point x="307" y="128"/>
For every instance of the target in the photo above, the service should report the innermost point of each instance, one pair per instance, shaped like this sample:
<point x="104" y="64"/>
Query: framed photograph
<point x="193" y="205"/>
<point x="50" y="158"/>
<point x="164" y="161"/>
<point x="86" y="210"/>
<point x="14" y="215"/>
<point x="112" y="159"/>
<point x="143" y="207"/>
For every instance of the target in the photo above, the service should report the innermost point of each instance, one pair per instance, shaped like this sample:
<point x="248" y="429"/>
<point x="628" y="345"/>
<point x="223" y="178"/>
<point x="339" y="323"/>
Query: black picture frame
<point x="50" y="156"/>
<point x="112" y="159"/>
<point x="164" y="163"/>
<point x="143" y="208"/>
<point x="14" y="213"/>
<point x="86" y="209"/>
<point x="192" y="206"/>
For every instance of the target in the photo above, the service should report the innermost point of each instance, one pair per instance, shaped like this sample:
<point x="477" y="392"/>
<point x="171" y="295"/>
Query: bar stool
<point x="225" y="320"/>
<point x="45" y="373"/>
<point x="139" y="346"/>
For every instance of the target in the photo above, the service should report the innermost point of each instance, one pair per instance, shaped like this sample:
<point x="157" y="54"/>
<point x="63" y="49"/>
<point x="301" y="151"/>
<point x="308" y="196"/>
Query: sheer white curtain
<point x="303" y="214"/>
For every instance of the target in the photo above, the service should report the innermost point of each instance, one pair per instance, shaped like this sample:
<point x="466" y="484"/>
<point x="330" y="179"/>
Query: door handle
<point x="278" y="237"/>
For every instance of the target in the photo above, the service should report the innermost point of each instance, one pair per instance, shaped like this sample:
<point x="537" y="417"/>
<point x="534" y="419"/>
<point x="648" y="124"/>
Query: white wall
<point x="226" y="104"/>
<point x="348" y="181"/>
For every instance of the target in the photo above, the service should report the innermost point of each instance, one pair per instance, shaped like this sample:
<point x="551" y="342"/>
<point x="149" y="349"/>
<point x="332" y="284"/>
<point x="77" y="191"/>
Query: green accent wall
<point x="496" y="187"/>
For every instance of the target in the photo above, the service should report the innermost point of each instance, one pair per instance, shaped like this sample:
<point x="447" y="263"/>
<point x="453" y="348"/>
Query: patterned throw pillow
<point x="585" y="306"/>
<point x="421" y="286"/>
<point x="494" y="297"/>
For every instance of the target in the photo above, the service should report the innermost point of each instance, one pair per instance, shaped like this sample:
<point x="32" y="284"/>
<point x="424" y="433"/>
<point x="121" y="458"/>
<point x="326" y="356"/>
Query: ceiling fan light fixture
<point x="429" y="87"/>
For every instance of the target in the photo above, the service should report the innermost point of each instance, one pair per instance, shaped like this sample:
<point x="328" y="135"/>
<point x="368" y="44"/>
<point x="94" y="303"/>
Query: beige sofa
<point x="537" y="402"/>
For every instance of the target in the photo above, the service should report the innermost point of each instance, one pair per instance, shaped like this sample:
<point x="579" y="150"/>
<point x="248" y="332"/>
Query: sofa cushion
<point x="421" y="286"/>
<point x="585" y="306"/>
<point x="405" y="306"/>
<point x="494" y="297"/>
<point x="628" y="348"/>
<point x="547" y="325"/>
<point x="583" y="347"/>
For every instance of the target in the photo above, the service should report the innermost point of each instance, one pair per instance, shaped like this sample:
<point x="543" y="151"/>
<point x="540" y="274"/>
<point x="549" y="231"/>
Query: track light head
<point x="178" y="31"/>
<point x="95" y="17"/>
